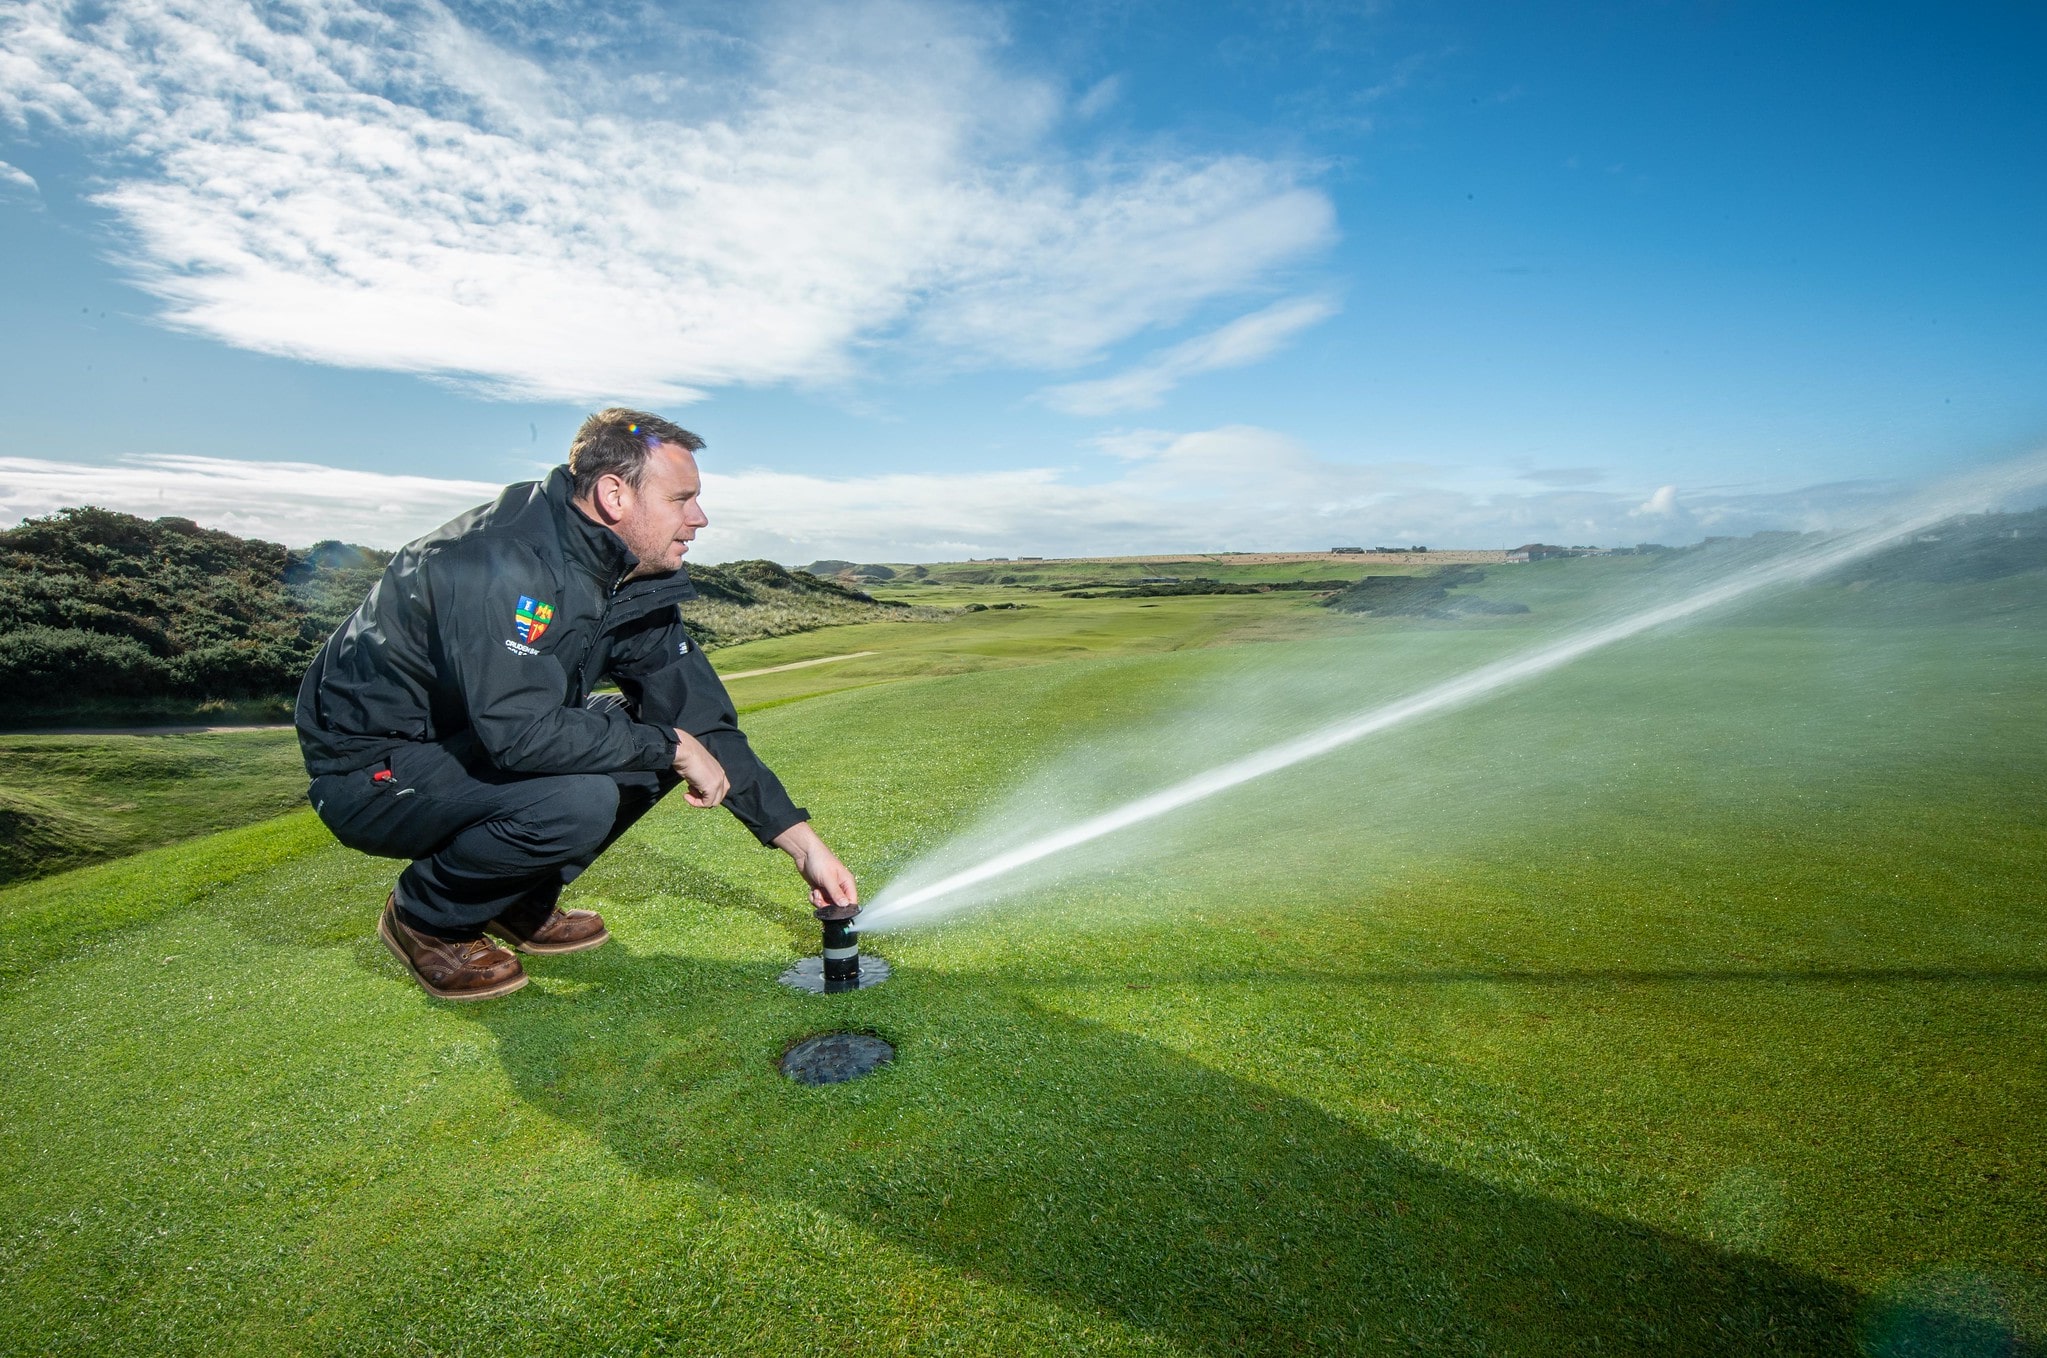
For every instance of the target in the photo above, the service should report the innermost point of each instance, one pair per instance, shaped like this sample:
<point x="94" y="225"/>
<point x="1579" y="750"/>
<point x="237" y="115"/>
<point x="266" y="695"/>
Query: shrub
<point x="41" y="665"/>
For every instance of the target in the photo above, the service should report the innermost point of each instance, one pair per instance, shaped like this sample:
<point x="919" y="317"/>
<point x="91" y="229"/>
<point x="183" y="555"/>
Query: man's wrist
<point x="798" y="840"/>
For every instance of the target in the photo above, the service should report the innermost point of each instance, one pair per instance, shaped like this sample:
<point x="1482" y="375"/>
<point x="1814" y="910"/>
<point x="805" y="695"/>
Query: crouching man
<point x="450" y="720"/>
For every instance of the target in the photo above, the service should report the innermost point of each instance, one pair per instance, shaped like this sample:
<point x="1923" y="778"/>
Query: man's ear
<point x="608" y="496"/>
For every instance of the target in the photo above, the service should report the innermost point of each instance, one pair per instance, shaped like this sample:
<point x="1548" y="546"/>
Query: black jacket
<point x="487" y="635"/>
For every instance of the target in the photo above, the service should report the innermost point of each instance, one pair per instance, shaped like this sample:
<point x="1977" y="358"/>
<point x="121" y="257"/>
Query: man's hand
<point x="830" y="883"/>
<point x="703" y="777"/>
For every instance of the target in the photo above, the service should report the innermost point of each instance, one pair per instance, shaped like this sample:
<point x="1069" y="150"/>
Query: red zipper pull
<point x="381" y="776"/>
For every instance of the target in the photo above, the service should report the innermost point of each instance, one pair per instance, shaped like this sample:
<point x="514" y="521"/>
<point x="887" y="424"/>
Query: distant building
<point x="1537" y="551"/>
<point x="1346" y="551"/>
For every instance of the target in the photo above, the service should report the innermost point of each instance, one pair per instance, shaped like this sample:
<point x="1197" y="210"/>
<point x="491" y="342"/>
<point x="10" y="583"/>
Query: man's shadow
<point x="1111" y="1175"/>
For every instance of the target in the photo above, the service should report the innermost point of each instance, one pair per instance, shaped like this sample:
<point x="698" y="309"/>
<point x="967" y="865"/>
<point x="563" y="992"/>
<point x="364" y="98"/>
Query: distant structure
<point x="1543" y="551"/>
<point x="1346" y="551"/>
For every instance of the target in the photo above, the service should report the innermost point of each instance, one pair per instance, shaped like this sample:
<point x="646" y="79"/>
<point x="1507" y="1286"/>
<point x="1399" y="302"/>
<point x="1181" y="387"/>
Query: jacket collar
<point x="603" y="553"/>
<point x="586" y="542"/>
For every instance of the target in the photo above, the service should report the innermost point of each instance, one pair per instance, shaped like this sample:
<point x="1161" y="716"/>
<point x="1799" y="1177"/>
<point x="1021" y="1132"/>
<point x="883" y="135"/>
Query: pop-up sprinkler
<point x="841" y="967"/>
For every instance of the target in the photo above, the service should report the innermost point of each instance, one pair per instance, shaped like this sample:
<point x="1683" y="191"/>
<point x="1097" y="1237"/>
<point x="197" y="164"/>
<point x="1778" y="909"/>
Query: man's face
<point x="659" y="517"/>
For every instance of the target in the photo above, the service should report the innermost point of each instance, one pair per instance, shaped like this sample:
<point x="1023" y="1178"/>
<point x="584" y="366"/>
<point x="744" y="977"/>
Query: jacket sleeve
<point x="514" y="694"/>
<point x="665" y="676"/>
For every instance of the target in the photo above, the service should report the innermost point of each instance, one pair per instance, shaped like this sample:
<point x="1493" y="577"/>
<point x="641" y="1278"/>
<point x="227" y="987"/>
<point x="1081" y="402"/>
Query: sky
<point x="945" y="280"/>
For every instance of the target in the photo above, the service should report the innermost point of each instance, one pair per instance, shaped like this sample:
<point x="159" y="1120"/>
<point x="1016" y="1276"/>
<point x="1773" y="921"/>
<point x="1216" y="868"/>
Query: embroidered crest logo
<point x="533" y="617"/>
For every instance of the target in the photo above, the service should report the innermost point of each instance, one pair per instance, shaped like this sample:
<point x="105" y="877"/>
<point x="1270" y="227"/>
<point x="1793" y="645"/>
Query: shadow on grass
<point x="1110" y="1175"/>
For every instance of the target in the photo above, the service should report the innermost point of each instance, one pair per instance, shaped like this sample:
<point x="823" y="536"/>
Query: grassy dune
<point x="1690" y="1001"/>
<point x="66" y="800"/>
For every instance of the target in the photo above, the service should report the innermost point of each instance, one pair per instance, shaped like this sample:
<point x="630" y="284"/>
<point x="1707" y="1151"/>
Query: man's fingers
<point x="705" y="795"/>
<point x="705" y="783"/>
<point x="836" y="888"/>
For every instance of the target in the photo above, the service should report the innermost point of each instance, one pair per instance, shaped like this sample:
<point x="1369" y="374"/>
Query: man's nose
<point x="697" y="517"/>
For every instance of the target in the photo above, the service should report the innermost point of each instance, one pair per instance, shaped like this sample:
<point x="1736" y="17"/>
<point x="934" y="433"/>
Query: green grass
<point x="67" y="800"/>
<point x="1063" y="573"/>
<point x="1047" y="629"/>
<point x="53" y="711"/>
<point x="1689" y="1001"/>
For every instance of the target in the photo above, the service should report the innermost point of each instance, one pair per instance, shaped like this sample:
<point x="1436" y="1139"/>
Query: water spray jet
<point x="896" y="908"/>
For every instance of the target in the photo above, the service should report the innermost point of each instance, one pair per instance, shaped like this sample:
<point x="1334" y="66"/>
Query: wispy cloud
<point x="14" y="181"/>
<point x="577" y="213"/>
<point x="1101" y="97"/>
<point x="1243" y="341"/>
<point x="1232" y="488"/>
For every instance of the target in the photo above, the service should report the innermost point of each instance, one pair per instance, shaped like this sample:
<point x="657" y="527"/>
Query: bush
<point x="238" y="669"/>
<point x="43" y="665"/>
<point x="105" y="605"/>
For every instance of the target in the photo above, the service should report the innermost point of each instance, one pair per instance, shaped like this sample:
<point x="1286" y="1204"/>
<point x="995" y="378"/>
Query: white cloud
<point x="1662" y="504"/>
<point x="1233" y="488"/>
<point x="347" y="184"/>
<point x="14" y="180"/>
<point x="297" y="503"/>
<point x="1243" y="341"/>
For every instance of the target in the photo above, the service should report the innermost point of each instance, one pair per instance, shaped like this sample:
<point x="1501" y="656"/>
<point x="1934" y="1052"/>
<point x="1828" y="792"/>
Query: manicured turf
<point x="1042" y="628"/>
<point x="1691" y="1001"/>
<point x="66" y="800"/>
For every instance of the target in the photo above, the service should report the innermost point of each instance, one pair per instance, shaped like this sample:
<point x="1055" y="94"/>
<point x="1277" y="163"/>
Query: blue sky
<point x="939" y="280"/>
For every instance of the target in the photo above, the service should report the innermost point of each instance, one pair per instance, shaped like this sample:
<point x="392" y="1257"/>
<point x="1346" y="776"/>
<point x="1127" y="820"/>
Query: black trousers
<point x="483" y="843"/>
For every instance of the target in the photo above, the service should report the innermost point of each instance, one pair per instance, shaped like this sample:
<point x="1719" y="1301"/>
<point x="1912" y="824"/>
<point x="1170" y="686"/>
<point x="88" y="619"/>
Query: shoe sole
<point x="491" y="993"/>
<point x="547" y="949"/>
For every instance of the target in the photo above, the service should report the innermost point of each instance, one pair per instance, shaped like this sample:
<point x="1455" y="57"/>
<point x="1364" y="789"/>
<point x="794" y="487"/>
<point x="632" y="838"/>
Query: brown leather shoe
<point x="562" y="931"/>
<point x="470" y="970"/>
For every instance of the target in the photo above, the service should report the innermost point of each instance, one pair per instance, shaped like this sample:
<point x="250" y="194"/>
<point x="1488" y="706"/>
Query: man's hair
<point x="616" y="442"/>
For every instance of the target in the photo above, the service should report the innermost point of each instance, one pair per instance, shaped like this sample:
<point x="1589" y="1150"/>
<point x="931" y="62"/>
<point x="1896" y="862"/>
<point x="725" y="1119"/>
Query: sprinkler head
<point x="840" y="968"/>
<point x="841" y="952"/>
